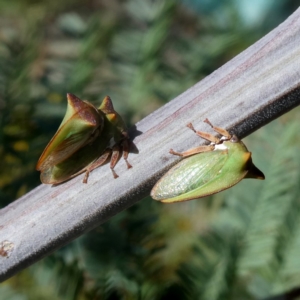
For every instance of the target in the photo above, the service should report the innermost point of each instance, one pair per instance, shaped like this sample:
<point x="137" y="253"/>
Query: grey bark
<point x="251" y="90"/>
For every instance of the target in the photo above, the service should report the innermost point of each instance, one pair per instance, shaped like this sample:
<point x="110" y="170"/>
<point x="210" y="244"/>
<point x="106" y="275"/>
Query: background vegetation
<point x="239" y="244"/>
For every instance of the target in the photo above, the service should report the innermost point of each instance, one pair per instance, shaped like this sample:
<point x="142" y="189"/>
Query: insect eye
<point x="234" y="139"/>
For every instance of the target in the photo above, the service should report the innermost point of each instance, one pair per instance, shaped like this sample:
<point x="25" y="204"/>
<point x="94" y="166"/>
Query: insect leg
<point x="218" y="129"/>
<point x="205" y="135"/>
<point x="114" y="159"/>
<point x="125" y="153"/>
<point x="193" y="151"/>
<point x="97" y="163"/>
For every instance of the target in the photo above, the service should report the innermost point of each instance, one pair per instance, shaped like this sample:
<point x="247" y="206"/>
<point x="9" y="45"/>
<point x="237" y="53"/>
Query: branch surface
<point x="255" y="87"/>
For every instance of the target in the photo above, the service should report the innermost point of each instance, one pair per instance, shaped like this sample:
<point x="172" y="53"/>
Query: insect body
<point x="207" y="169"/>
<point x="85" y="139"/>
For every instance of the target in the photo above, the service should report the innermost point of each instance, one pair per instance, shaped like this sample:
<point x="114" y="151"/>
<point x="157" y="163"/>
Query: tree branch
<point x="251" y="90"/>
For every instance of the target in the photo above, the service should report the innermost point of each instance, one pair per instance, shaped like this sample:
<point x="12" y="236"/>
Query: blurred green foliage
<point x="239" y="244"/>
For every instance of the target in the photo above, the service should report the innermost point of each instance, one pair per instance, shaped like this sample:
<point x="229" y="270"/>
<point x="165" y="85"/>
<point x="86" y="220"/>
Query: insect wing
<point x="188" y="175"/>
<point x="229" y="176"/>
<point x="81" y="124"/>
<point x="75" y="164"/>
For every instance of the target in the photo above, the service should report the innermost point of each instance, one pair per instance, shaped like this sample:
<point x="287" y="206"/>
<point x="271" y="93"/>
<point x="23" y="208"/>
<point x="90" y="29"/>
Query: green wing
<point x="190" y="174"/>
<point x="81" y="124"/>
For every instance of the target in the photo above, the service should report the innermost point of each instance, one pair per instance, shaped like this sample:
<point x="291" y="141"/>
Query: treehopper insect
<point x="85" y="139"/>
<point x="206" y="170"/>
